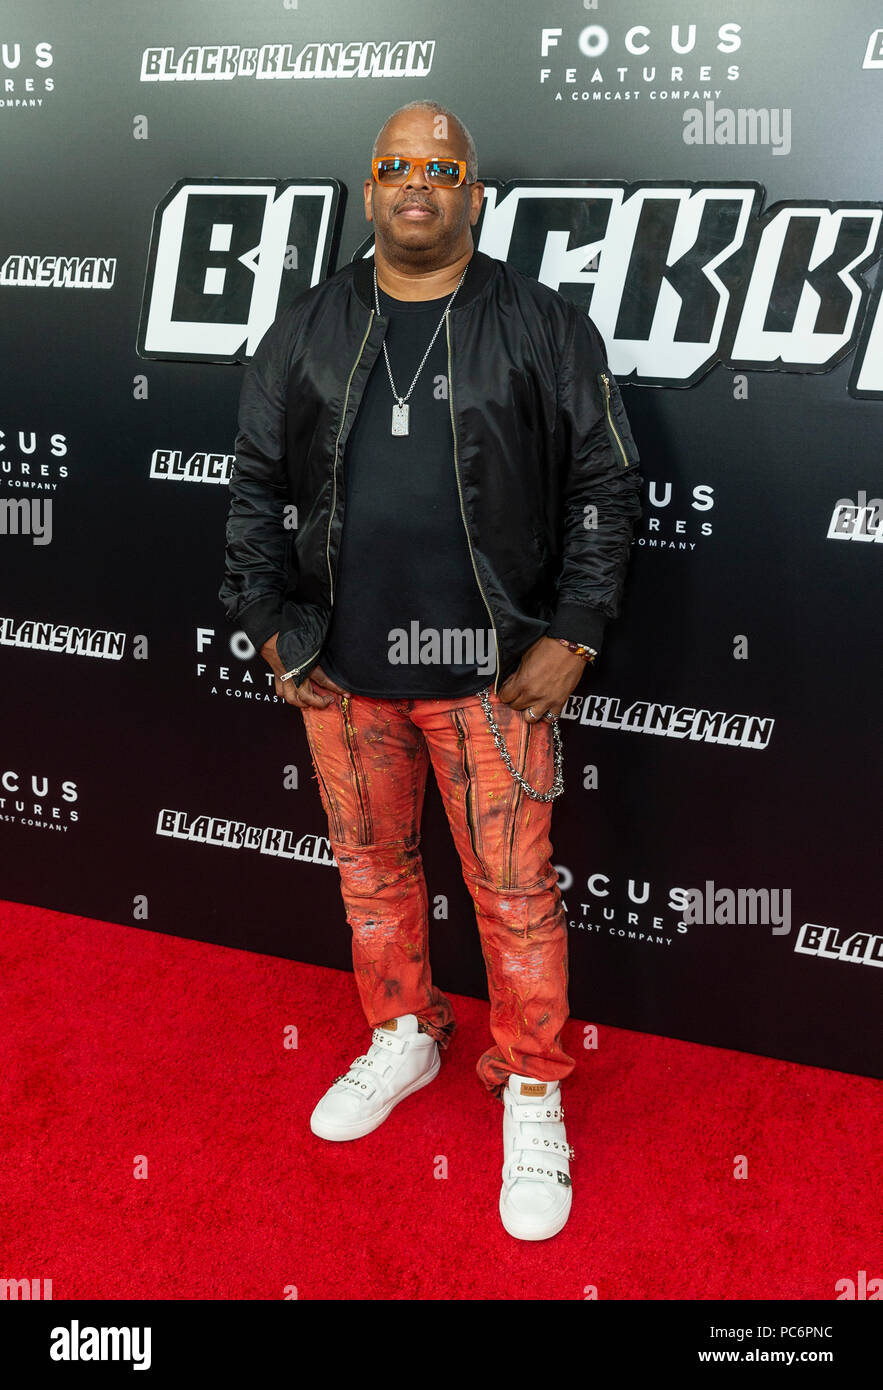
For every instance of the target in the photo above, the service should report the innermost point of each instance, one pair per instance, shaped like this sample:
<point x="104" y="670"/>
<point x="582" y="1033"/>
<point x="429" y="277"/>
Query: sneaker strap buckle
<point x="519" y="1169"/>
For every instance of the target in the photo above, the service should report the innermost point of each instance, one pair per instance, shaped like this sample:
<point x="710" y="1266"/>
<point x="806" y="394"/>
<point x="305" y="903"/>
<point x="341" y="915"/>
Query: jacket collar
<point x="479" y="270"/>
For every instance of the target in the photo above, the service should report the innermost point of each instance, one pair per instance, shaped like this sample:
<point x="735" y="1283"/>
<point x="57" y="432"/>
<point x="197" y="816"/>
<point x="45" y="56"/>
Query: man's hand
<point x="546" y="677"/>
<point x="300" y="695"/>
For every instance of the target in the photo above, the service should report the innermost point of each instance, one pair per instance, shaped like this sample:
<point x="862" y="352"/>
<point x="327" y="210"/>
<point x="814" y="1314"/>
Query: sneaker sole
<point x="359" y="1130"/>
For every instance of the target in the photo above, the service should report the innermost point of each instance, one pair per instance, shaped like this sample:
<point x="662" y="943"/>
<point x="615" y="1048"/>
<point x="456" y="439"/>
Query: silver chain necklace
<point x="400" y="410"/>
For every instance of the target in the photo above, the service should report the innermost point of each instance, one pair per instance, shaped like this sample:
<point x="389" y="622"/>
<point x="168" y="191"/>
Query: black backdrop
<point x="737" y="286"/>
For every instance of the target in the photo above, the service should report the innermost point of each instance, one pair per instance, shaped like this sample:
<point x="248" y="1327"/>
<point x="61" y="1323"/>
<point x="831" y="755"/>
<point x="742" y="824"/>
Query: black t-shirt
<point x="405" y="583"/>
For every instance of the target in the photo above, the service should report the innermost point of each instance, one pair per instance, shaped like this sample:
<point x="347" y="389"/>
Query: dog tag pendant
<point x="400" y="419"/>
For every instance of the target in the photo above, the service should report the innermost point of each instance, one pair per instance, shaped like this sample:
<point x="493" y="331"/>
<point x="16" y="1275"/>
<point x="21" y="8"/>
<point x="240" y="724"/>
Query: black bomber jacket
<point x="546" y="466"/>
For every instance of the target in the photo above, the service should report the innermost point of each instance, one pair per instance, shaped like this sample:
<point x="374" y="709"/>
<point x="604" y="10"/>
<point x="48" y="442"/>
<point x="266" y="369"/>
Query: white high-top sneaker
<point x="536" y="1195"/>
<point x="399" y="1061"/>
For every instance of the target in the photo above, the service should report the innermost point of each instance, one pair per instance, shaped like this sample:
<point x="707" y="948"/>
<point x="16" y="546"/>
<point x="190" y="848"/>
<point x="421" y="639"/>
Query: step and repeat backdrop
<point x="705" y="183"/>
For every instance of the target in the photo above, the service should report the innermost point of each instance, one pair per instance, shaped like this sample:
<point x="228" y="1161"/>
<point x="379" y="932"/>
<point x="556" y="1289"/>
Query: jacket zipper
<point x="462" y="512"/>
<point x="613" y="428"/>
<point x="297" y="669"/>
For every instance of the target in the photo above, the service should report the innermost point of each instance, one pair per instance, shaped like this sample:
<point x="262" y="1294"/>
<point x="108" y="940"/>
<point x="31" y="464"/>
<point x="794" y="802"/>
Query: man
<point x="484" y="512"/>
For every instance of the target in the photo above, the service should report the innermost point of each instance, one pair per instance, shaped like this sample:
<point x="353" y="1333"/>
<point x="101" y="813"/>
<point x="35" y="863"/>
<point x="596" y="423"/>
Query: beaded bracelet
<point x="578" y="649"/>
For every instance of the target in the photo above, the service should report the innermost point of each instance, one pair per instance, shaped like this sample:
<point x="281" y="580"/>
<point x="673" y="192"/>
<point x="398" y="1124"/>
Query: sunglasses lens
<point x="393" y="170"/>
<point x="444" y="171"/>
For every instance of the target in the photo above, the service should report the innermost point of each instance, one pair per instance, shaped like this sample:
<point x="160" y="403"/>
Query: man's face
<point x="415" y="220"/>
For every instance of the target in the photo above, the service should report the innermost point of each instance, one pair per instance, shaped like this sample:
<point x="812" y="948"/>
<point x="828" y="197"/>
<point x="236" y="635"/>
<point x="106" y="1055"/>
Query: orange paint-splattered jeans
<point x="371" y="758"/>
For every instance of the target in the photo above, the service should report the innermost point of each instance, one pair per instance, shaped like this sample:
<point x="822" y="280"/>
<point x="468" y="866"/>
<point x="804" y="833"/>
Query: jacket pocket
<point x="624" y="448"/>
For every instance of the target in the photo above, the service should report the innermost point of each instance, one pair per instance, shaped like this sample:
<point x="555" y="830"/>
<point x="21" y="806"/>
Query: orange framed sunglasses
<point x="394" y="169"/>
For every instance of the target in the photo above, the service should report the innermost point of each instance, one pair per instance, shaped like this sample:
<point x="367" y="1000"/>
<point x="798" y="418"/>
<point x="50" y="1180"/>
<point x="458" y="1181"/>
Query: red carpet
<point x="120" y="1042"/>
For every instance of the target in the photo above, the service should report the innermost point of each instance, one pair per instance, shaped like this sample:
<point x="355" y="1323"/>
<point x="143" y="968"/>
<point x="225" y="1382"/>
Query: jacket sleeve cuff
<point x="575" y="623"/>
<point x="261" y="619"/>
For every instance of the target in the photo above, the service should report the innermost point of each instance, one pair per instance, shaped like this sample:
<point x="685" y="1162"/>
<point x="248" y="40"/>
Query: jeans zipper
<point x="358" y="777"/>
<point x="297" y="669"/>
<point x="462" y="512"/>
<point x="605" y="379"/>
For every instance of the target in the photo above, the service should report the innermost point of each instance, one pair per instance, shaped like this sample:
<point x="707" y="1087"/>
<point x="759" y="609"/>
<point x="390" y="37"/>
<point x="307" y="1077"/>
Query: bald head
<point x="422" y="229"/>
<point x="447" y="128"/>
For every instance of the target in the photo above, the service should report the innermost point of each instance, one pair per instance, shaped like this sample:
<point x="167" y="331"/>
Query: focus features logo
<point x="679" y="528"/>
<point x="28" y="460"/>
<point x="639" y="918"/>
<point x="38" y="802"/>
<point x="246" y="677"/>
<point x="23" y="80"/>
<point x="664" y="65"/>
<point x="639" y="915"/>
